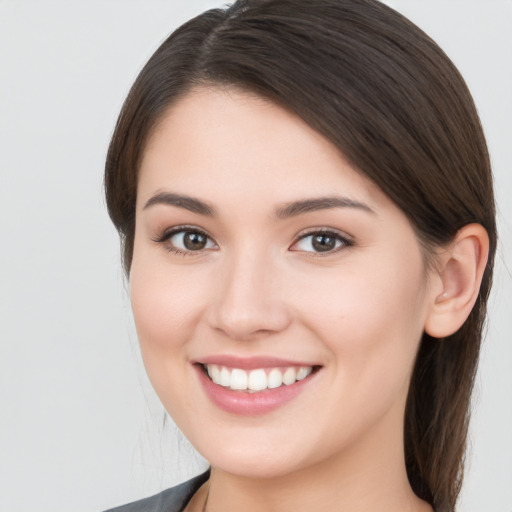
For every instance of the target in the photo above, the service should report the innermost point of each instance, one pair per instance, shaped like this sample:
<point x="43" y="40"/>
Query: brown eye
<point x="187" y="240"/>
<point x="321" y="242"/>
<point x="194" y="241"/>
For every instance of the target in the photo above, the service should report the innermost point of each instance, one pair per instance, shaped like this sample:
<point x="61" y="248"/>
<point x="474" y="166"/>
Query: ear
<point x="460" y="269"/>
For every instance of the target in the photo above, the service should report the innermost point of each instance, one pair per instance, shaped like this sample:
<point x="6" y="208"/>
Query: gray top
<point x="174" y="499"/>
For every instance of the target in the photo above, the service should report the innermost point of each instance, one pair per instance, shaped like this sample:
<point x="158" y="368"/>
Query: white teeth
<point x="225" y="377"/>
<point x="303" y="372"/>
<point x="275" y="378"/>
<point x="258" y="379"/>
<point x="214" y="373"/>
<point x="289" y="376"/>
<point x="238" y="379"/>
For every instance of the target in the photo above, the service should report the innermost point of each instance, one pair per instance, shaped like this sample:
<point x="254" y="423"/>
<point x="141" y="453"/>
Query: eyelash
<point x="344" y="239"/>
<point x="167" y="235"/>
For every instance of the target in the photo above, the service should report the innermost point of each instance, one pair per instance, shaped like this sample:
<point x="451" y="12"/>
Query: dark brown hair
<point x="394" y="104"/>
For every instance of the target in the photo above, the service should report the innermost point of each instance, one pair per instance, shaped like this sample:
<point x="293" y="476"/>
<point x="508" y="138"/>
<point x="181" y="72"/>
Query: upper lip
<point x="251" y="363"/>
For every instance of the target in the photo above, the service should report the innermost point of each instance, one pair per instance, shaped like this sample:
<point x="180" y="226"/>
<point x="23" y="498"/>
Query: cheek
<point x="370" y="315"/>
<point x="362" y="296"/>
<point x="167" y="306"/>
<point x="165" y="302"/>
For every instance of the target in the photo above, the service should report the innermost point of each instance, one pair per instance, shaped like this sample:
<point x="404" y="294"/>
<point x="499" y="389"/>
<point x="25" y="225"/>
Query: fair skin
<point x="339" y="287"/>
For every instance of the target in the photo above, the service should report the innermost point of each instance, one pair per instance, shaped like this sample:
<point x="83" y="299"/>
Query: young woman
<point x="304" y="198"/>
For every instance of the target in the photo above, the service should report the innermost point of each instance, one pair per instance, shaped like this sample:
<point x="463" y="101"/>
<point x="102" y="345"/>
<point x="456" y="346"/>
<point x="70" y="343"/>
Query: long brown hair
<point x="390" y="99"/>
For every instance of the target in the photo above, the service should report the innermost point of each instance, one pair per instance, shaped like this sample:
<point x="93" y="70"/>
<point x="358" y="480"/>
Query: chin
<point x="258" y="458"/>
<point x="255" y="467"/>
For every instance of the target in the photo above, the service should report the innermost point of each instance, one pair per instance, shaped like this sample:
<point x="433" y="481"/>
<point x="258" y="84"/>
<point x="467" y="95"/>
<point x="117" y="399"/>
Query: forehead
<point x="227" y="141"/>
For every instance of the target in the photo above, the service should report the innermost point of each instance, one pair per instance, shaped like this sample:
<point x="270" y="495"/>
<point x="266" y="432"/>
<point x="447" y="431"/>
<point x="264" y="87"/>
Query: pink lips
<point x="245" y="403"/>
<point x="251" y="363"/>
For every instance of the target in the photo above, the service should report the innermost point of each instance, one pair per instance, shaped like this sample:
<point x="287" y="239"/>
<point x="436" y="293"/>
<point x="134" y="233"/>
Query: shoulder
<point x="171" y="500"/>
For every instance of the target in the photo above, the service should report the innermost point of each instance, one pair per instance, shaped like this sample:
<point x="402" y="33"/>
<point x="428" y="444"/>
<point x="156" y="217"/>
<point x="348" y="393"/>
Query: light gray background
<point x="80" y="427"/>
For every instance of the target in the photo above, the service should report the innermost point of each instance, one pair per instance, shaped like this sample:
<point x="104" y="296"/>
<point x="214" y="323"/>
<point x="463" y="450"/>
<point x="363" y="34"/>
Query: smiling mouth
<point x="258" y="379"/>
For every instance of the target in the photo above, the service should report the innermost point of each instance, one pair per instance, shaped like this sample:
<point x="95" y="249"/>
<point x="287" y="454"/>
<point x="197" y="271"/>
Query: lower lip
<point x="251" y="404"/>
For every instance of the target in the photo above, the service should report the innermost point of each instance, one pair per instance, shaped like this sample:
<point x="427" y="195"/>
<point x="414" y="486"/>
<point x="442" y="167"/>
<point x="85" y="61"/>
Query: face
<point x="263" y="258"/>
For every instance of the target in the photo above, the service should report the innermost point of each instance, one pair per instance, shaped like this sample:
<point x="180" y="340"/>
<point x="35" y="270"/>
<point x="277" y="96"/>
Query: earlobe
<point x="461" y="268"/>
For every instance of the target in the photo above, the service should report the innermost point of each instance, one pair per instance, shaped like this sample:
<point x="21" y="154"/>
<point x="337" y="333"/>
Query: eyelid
<point x="347" y="240"/>
<point x="167" y="234"/>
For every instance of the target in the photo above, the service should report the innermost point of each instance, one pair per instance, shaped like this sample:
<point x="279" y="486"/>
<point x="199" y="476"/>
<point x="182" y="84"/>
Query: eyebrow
<point x="182" y="201"/>
<point x="291" y="209"/>
<point x="321" y="203"/>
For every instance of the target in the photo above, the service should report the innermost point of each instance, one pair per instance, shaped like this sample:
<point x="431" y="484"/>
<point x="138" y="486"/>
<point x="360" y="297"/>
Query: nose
<point x="249" y="302"/>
